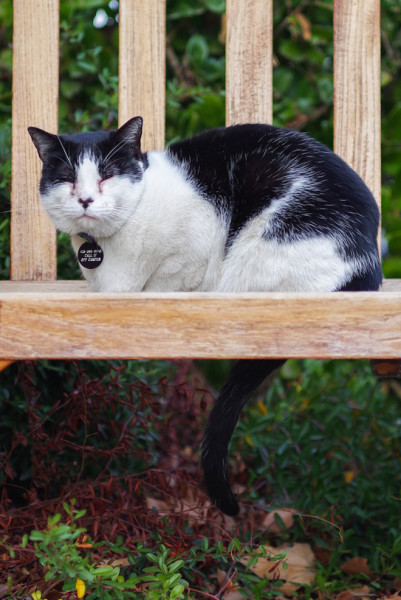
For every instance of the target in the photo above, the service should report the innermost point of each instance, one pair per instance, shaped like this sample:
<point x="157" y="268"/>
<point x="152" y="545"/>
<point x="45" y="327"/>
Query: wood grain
<point x="142" y="70"/>
<point x="81" y="286"/>
<point x="249" y="95"/>
<point x="357" y="88"/>
<point x="55" y="319"/>
<point x="87" y="325"/>
<point x="35" y="102"/>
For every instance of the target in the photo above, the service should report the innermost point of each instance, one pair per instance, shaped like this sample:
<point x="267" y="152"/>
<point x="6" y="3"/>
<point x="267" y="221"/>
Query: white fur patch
<point x="113" y="201"/>
<point x="255" y="263"/>
<point x="173" y="240"/>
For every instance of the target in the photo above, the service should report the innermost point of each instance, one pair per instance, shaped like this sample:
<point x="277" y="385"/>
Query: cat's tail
<point x="244" y="378"/>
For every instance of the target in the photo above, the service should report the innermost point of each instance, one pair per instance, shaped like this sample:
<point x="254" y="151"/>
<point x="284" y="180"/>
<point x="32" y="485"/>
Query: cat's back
<point x="265" y="156"/>
<point x="270" y="142"/>
<point x="228" y="163"/>
<point x="290" y="204"/>
<point x="243" y="169"/>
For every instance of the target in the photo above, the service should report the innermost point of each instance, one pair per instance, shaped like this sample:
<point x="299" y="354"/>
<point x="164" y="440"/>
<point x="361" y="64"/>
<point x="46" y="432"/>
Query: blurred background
<point x="323" y="439"/>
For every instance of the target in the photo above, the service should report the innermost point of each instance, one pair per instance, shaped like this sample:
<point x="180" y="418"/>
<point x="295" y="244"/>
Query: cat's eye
<point x="106" y="174"/>
<point x="65" y="179"/>
<point x="64" y="175"/>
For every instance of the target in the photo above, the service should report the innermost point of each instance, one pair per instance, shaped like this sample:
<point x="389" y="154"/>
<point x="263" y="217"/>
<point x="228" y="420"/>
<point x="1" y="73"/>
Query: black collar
<point x="87" y="237"/>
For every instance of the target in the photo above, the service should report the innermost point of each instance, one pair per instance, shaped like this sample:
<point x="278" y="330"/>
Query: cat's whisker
<point x="114" y="150"/>
<point x="24" y="209"/>
<point x="68" y="164"/>
<point x="65" y="152"/>
<point x="110" y="163"/>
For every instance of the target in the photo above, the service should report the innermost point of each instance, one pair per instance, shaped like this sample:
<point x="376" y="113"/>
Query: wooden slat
<point x="142" y="67"/>
<point x="249" y="61"/>
<point x="87" y="325"/>
<point x="357" y="87"/>
<point x="35" y="102"/>
<point x="44" y="287"/>
<point x="82" y="286"/>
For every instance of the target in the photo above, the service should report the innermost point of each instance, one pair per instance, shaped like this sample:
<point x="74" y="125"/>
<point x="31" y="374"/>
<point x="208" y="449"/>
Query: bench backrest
<point x="142" y="59"/>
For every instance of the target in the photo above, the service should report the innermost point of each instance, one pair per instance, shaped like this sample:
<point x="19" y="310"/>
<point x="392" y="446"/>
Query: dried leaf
<point x="349" y="476"/>
<point x="305" y="26"/>
<point x="361" y="593"/>
<point x="286" y="516"/>
<point x="159" y="505"/>
<point x="234" y="594"/>
<point x="356" y="566"/>
<point x="345" y="595"/>
<point x="197" y="511"/>
<point x="9" y="471"/>
<point x="221" y="576"/>
<point x="323" y="556"/>
<point x="120" y="562"/>
<point x="232" y="591"/>
<point x="300" y="570"/>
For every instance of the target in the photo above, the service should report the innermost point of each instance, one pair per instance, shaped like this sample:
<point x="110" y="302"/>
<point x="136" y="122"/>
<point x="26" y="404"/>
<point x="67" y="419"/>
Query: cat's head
<point x="91" y="182"/>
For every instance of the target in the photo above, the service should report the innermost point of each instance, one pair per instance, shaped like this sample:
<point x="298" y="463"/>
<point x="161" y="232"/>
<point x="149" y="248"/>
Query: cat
<point x="249" y="207"/>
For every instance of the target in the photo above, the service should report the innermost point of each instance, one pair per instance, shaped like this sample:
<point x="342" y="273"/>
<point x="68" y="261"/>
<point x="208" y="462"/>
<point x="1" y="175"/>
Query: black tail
<point x="244" y="378"/>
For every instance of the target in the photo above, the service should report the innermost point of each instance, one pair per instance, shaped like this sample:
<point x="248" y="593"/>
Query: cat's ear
<point x="45" y="143"/>
<point x="130" y="134"/>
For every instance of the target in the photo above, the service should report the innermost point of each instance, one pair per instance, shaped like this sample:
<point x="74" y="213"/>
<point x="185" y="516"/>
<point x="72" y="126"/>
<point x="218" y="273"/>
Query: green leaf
<point x="52" y="521"/>
<point x="173" y="579"/>
<point x="173" y="567"/>
<point x="235" y="543"/>
<point x="283" y="78"/>
<point x="37" y="536"/>
<point x="325" y="87"/>
<point x="80" y="513"/>
<point x="291" y="50"/>
<point x="102" y="571"/>
<point x="177" y="591"/>
<point x="217" y="6"/>
<point x="197" y="48"/>
<point x="184" y="9"/>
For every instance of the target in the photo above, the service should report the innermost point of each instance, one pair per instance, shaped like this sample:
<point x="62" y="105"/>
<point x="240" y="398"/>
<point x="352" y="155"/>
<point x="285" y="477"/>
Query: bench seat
<point x="63" y="320"/>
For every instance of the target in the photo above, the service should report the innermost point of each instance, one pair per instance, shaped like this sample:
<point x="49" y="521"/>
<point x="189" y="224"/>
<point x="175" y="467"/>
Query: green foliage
<point x="71" y="403"/>
<point x="153" y="574"/>
<point x="57" y="549"/>
<point x="326" y="438"/>
<point x="323" y="440"/>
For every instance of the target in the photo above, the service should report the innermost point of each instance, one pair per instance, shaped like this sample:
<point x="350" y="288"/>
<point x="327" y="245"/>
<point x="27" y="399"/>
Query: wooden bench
<point x="44" y="318"/>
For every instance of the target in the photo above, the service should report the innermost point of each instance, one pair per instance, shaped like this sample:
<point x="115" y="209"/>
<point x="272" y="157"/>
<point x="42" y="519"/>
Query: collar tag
<point x="90" y="254"/>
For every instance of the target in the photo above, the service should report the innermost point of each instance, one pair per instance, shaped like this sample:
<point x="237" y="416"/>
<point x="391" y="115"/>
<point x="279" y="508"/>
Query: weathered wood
<point x="35" y="102"/>
<point x="357" y="87"/>
<point x="81" y="286"/>
<point x="209" y="325"/>
<point x="142" y="67"/>
<point x="59" y="319"/>
<point x="249" y="97"/>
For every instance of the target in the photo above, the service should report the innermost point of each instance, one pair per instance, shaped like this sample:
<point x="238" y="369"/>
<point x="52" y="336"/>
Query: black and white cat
<point x="237" y="209"/>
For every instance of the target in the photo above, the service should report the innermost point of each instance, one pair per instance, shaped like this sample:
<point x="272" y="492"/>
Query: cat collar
<point x="90" y="254"/>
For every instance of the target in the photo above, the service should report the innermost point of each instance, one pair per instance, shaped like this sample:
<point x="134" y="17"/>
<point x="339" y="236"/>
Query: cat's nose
<point x="85" y="203"/>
